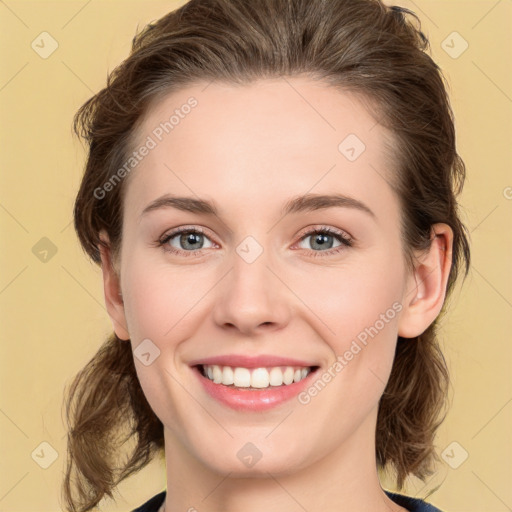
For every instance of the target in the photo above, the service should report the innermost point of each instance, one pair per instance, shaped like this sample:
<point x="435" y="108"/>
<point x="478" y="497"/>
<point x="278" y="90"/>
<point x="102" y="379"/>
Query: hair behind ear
<point x="105" y="407"/>
<point x="412" y="407"/>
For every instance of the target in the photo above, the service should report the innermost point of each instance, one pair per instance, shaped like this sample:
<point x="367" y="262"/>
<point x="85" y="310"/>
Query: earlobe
<point x="424" y="297"/>
<point x="112" y="290"/>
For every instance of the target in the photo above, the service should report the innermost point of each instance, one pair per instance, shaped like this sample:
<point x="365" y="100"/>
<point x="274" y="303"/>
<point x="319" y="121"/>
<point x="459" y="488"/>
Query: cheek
<point x="357" y="309"/>
<point x="159" y="306"/>
<point x="349" y="300"/>
<point x="358" y="318"/>
<point x="147" y="306"/>
<point x="159" y="299"/>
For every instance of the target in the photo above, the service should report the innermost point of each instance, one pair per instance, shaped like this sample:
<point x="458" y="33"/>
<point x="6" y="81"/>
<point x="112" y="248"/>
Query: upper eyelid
<point x="184" y="229"/>
<point x="321" y="228"/>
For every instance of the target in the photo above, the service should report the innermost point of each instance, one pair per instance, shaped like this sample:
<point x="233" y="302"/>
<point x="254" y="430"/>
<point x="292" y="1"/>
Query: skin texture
<point x="250" y="149"/>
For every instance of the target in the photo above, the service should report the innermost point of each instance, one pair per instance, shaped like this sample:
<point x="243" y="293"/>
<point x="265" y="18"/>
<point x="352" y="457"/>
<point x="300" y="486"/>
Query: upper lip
<point x="245" y="361"/>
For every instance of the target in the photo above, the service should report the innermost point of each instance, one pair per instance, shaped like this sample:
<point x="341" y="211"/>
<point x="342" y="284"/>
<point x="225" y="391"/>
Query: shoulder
<point x="411" y="504"/>
<point x="153" y="504"/>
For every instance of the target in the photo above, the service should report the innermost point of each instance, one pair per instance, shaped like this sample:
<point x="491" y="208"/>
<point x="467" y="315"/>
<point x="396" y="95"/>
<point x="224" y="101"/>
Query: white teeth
<point x="258" y="378"/>
<point x="276" y="377"/>
<point x="227" y="376"/>
<point x="288" y="374"/>
<point x="241" y="377"/>
<point x="217" y="375"/>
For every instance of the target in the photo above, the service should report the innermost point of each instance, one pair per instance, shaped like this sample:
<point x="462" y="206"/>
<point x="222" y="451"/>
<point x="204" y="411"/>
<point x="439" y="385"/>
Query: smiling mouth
<point x="255" y="378"/>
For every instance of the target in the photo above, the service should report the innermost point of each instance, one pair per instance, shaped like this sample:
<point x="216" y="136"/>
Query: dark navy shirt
<point x="411" y="504"/>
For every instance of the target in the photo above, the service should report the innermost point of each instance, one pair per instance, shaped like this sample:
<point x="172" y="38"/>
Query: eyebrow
<point x="305" y="203"/>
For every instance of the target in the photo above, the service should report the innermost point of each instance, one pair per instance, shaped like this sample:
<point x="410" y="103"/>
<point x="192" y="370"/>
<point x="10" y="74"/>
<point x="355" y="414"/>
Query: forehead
<point x="281" y="136"/>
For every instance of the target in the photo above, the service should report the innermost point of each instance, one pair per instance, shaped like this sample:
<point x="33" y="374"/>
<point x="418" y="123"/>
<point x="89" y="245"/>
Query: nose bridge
<point x="251" y="295"/>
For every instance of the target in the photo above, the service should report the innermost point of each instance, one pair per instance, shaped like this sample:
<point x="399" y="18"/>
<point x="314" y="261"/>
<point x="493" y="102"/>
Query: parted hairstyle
<point x="365" y="47"/>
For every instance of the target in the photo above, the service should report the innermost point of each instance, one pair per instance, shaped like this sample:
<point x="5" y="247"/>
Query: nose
<point x="252" y="297"/>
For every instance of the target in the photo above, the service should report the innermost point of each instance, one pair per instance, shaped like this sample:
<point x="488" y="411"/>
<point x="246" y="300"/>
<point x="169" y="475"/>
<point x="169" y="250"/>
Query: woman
<point x="270" y="191"/>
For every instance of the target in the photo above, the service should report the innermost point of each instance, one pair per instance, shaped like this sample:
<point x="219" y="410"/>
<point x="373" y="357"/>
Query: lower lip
<point x="253" y="400"/>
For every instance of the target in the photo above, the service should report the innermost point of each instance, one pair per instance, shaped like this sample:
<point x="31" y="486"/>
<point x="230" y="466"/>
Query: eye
<point x="324" y="239"/>
<point x="185" y="241"/>
<point x="190" y="241"/>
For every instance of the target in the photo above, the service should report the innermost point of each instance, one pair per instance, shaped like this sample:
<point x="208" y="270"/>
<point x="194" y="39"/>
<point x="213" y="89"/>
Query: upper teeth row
<point x="255" y="377"/>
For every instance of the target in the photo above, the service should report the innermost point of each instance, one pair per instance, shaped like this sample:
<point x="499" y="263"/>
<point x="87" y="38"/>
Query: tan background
<point x="51" y="305"/>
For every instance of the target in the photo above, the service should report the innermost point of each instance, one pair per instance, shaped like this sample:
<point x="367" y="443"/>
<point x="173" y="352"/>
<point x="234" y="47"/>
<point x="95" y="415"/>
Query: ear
<point x="112" y="289"/>
<point x="426" y="290"/>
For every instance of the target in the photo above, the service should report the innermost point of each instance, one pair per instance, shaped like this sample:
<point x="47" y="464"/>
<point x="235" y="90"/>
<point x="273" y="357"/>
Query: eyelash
<point x="345" y="240"/>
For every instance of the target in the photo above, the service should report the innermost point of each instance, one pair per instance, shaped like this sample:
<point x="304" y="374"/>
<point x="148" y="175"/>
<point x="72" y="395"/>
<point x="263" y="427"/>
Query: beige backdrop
<point x="51" y="300"/>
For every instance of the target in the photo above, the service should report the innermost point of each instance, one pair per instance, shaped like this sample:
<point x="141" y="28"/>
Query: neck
<point x="340" y="481"/>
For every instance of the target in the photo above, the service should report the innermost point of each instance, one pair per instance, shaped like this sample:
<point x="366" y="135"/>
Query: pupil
<point x="321" y="240"/>
<point x="190" y="238"/>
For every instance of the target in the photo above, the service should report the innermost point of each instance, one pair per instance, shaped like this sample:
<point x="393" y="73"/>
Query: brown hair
<point x="362" y="46"/>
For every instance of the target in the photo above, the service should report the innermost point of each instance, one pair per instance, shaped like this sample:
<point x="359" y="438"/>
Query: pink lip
<point x="262" y="361"/>
<point x="246" y="400"/>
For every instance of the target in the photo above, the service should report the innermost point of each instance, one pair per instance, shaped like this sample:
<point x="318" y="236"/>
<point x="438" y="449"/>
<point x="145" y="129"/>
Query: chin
<point x="250" y="461"/>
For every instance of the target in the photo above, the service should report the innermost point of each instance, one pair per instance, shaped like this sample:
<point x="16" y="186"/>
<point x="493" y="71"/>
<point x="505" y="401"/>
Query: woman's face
<point x="254" y="280"/>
